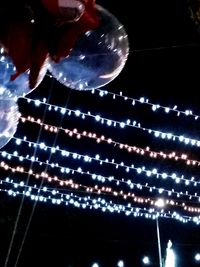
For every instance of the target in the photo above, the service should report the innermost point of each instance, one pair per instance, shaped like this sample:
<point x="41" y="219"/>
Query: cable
<point x="22" y="200"/>
<point x="35" y="203"/>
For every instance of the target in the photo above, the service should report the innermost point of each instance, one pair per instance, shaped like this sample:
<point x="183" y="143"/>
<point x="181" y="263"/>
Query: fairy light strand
<point x="145" y="101"/>
<point x="99" y="139"/>
<point x="104" y="179"/>
<point x="86" y="158"/>
<point x="98" y="190"/>
<point x="113" y="123"/>
<point x="99" y="177"/>
<point x="45" y="195"/>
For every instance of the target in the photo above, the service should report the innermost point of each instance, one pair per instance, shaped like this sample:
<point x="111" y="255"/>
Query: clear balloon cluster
<point x="10" y="91"/>
<point x="9" y="116"/>
<point x="97" y="58"/>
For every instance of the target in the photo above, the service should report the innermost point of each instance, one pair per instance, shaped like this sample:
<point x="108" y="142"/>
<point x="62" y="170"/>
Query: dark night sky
<point x="162" y="66"/>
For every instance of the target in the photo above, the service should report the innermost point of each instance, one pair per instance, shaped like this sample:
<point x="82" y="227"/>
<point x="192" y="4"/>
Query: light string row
<point x="74" y="155"/>
<point x="145" y="101"/>
<point x="103" y="190"/>
<point x="114" y="123"/>
<point x="101" y="178"/>
<point x="89" y="202"/>
<point x="132" y="149"/>
<point x="104" y="179"/>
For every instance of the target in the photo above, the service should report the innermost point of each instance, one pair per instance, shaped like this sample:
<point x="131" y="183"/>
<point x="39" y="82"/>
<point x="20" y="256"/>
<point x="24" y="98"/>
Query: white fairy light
<point x="57" y="198"/>
<point x="156" y="133"/>
<point x="160" y="203"/>
<point x="197" y="257"/>
<point x="138" y="169"/>
<point x="120" y="263"/>
<point x="146" y="260"/>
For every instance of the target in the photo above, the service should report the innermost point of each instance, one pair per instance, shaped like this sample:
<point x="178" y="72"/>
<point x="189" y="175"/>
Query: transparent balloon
<point x="9" y="116"/>
<point x="97" y="58"/>
<point x="20" y="86"/>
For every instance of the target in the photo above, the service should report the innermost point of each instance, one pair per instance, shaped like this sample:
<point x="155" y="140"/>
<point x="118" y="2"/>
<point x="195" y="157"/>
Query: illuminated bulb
<point x="37" y="102"/>
<point x="146" y="260"/>
<point x="95" y="265"/>
<point x="120" y="263"/>
<point x="160" y="203"/>
<point x="197" y="257"/>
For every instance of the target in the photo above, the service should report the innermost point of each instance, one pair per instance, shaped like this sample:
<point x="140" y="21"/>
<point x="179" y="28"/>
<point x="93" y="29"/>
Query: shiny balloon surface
<point x="20" y="86"/>
<point x="98" y="56"/>
<point x="9" y="116"/>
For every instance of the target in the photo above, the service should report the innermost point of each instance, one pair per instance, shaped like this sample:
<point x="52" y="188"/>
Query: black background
<point x="163" y="65"/>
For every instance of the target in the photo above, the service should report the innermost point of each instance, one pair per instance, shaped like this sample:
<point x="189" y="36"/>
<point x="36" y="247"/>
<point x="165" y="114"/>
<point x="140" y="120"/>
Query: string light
<point x="197" y="257"/>
<point x="146" y="260"/>
<point x="103" y="190"/>
<point x="145" y="101"/>
<point x="132" y="149"/>
<point x="120" y="264"/>
<point x="121" y="124"/>
<point x="104" y="179"/>
<point x="45" y="194"/>
<point x="89" y="159"/>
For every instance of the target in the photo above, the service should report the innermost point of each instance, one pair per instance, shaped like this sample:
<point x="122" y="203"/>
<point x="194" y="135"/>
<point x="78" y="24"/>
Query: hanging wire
<point x="27" y="182"/>
<point x="41" y="184"/>
<point x="159" y="243"/>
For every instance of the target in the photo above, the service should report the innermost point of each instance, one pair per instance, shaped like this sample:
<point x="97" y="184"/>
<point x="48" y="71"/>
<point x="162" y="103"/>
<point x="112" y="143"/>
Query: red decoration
<point x="48" y="28"/>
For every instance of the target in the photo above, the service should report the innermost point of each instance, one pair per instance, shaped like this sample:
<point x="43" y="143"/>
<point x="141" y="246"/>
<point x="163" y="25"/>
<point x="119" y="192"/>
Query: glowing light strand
<point x="104" y="179"/>
<point x="132" y="149"/>
<point x="99" y="177"/>
<point x="114" y="123"/>
<point x="97" y="190"/>
<point x="56" y="197"/>
<point x="145" y="101"/>
<point x="138" y="169"/>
